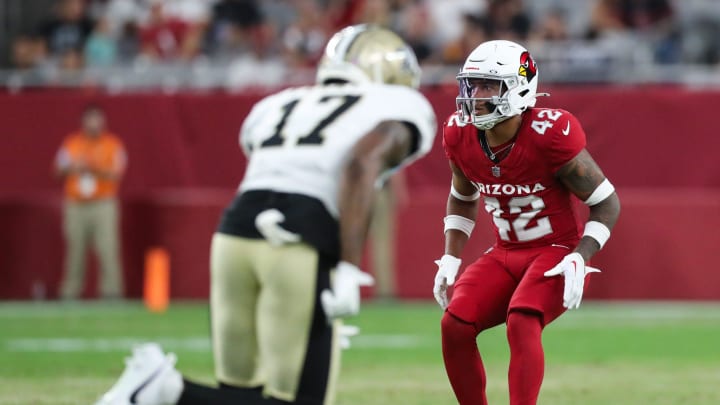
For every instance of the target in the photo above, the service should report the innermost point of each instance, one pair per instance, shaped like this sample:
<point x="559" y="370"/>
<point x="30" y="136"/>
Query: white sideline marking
<point x="192" y="344"/>
<point x="100" y="344"/>
<point x="393" y="341"/>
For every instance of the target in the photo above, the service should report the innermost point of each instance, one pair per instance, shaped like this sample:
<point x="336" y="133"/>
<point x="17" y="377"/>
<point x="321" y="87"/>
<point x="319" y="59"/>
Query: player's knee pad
<point x="524" y="324"/>
<point x="454" y="328"/>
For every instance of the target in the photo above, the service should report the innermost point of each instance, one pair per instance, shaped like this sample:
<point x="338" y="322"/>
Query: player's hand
<point x="346" y="332"/>
<point x="268" y="224"/>
<point x="448" y="267"/>
<point x="343" y="299"/>
<point x="573" y="268"/>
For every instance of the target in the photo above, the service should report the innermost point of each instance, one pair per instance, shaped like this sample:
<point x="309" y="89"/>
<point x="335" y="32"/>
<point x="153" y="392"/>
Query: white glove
<point x="268" y="224"/>
<point x="343" y="299"/>
<point x="346" y="332"/>
<point x="573" y="268"/>
<point x="448" y="267"/>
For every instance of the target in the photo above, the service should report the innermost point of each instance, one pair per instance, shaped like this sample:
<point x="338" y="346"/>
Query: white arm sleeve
<point x="601" y="192"/>
<point x="463" y="197"/>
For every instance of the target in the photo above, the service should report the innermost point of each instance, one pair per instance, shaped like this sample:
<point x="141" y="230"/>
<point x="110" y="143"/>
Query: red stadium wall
<point x="184" y="165"/>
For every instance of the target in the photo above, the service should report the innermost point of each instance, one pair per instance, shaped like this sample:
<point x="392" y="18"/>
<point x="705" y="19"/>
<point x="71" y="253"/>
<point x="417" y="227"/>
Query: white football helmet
<point x="504" y="61"/>
<point x="368" y="54"/>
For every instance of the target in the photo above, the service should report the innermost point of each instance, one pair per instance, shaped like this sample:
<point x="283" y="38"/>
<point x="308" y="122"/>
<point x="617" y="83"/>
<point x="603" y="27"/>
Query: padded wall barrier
<point x="184" y="165"/>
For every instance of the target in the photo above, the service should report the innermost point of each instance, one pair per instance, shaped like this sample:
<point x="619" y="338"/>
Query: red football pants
<point x="502" y="286"/>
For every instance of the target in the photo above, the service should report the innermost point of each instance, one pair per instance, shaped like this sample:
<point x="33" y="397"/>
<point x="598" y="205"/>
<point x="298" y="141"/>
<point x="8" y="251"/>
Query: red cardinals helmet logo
<point x="528" y="68"/>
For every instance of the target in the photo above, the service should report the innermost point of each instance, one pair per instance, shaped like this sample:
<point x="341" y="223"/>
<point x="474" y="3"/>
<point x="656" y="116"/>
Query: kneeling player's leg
<point x="197" y="394"/>
<point x="234" y="292"/>
<point x="299" y="354"/>
<point x="233" y="300"/>
<point x="150" y="377"/>
<point x="479" y="302"/>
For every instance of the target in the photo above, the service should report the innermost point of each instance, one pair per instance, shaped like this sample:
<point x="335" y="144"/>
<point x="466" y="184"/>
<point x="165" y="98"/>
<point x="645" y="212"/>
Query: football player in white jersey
<point x="284" y="260"/>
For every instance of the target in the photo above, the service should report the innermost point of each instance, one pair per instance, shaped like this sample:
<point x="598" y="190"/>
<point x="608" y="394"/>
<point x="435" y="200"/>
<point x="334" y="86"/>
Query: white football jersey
<point x="297" y="140"/>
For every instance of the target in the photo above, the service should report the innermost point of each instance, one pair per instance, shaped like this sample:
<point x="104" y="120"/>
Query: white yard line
<point x="64" y="344"/>
<point x="195" y="343"/>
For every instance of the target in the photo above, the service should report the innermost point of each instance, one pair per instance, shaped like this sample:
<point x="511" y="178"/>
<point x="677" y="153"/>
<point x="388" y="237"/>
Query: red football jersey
<point x="528" y="206"/>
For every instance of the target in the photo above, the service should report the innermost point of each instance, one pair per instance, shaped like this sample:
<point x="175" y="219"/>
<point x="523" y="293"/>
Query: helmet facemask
<point x="499" y="106"/>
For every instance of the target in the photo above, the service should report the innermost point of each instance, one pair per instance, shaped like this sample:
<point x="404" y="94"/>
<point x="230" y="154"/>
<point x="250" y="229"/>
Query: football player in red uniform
<point x="526" y="163"/>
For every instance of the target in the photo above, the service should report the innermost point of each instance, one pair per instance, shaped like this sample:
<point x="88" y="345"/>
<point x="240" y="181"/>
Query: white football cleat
<point x="150" y="378"/>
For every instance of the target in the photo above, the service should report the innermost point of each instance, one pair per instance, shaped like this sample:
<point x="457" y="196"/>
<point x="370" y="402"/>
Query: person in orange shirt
<point x="91" y="161"/>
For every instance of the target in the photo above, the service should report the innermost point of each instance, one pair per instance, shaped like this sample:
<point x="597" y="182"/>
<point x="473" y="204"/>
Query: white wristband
<point x="601" y="192"/>
<point x="462" y="224"/>
<point x="463" y="197"/>
<point x="598" y="231"/>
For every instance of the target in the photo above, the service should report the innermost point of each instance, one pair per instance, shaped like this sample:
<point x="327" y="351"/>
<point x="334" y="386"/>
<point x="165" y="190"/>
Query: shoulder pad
<point x="552" y="122"/>
<point x="563" y="124"/>
<point x="557" y="133"/>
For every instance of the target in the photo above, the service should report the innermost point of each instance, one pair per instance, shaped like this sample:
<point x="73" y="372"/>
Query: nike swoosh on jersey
<point x="133" y="396"/>
<point x="566" y="131"/>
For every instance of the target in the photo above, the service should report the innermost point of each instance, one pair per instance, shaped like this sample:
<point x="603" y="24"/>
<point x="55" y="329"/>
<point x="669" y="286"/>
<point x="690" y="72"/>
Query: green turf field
<point x="649" y="353"/>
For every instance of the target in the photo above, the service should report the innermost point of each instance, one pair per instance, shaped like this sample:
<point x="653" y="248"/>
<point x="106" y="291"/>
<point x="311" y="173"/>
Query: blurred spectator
<point x="508" y="20"/>
<point x="128" y="42"/>
<point x="166" y="38"/>
<point x="193" y="12"/>
<point x="249" y="42"/>
<point x="101" y="47"/>
<point x="415" y="26"/>
<point x="237" y="27"/>
<point x="474" y="32"/>
<point x="70" y="62"/>
<point x="552" y="26"/>
<point x="27" y="52"/>
<point x="341" y="13"/>
<point x="122" y="18"/>
<point x="197" y="14"/>
<point x="448" y="18"/>
<point x="701" y="42"/>
<point x="304" y="40"/>
<point x="376" y="12"/>
<point x="65" y="33"/>
<point x="91" y="161"/>
<point x="68" y="28"/>
<point x="605" y="16"/>
<point x="117" y="13"/>
<point x="282" y="13"/>
<point x="652" y="20"/>
<point x="277" y="35"/>
<point x="610" y="15"/>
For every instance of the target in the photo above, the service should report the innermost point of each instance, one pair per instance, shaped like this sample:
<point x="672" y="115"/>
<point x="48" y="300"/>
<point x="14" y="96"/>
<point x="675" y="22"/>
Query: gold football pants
<point x="268" y="327"/>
